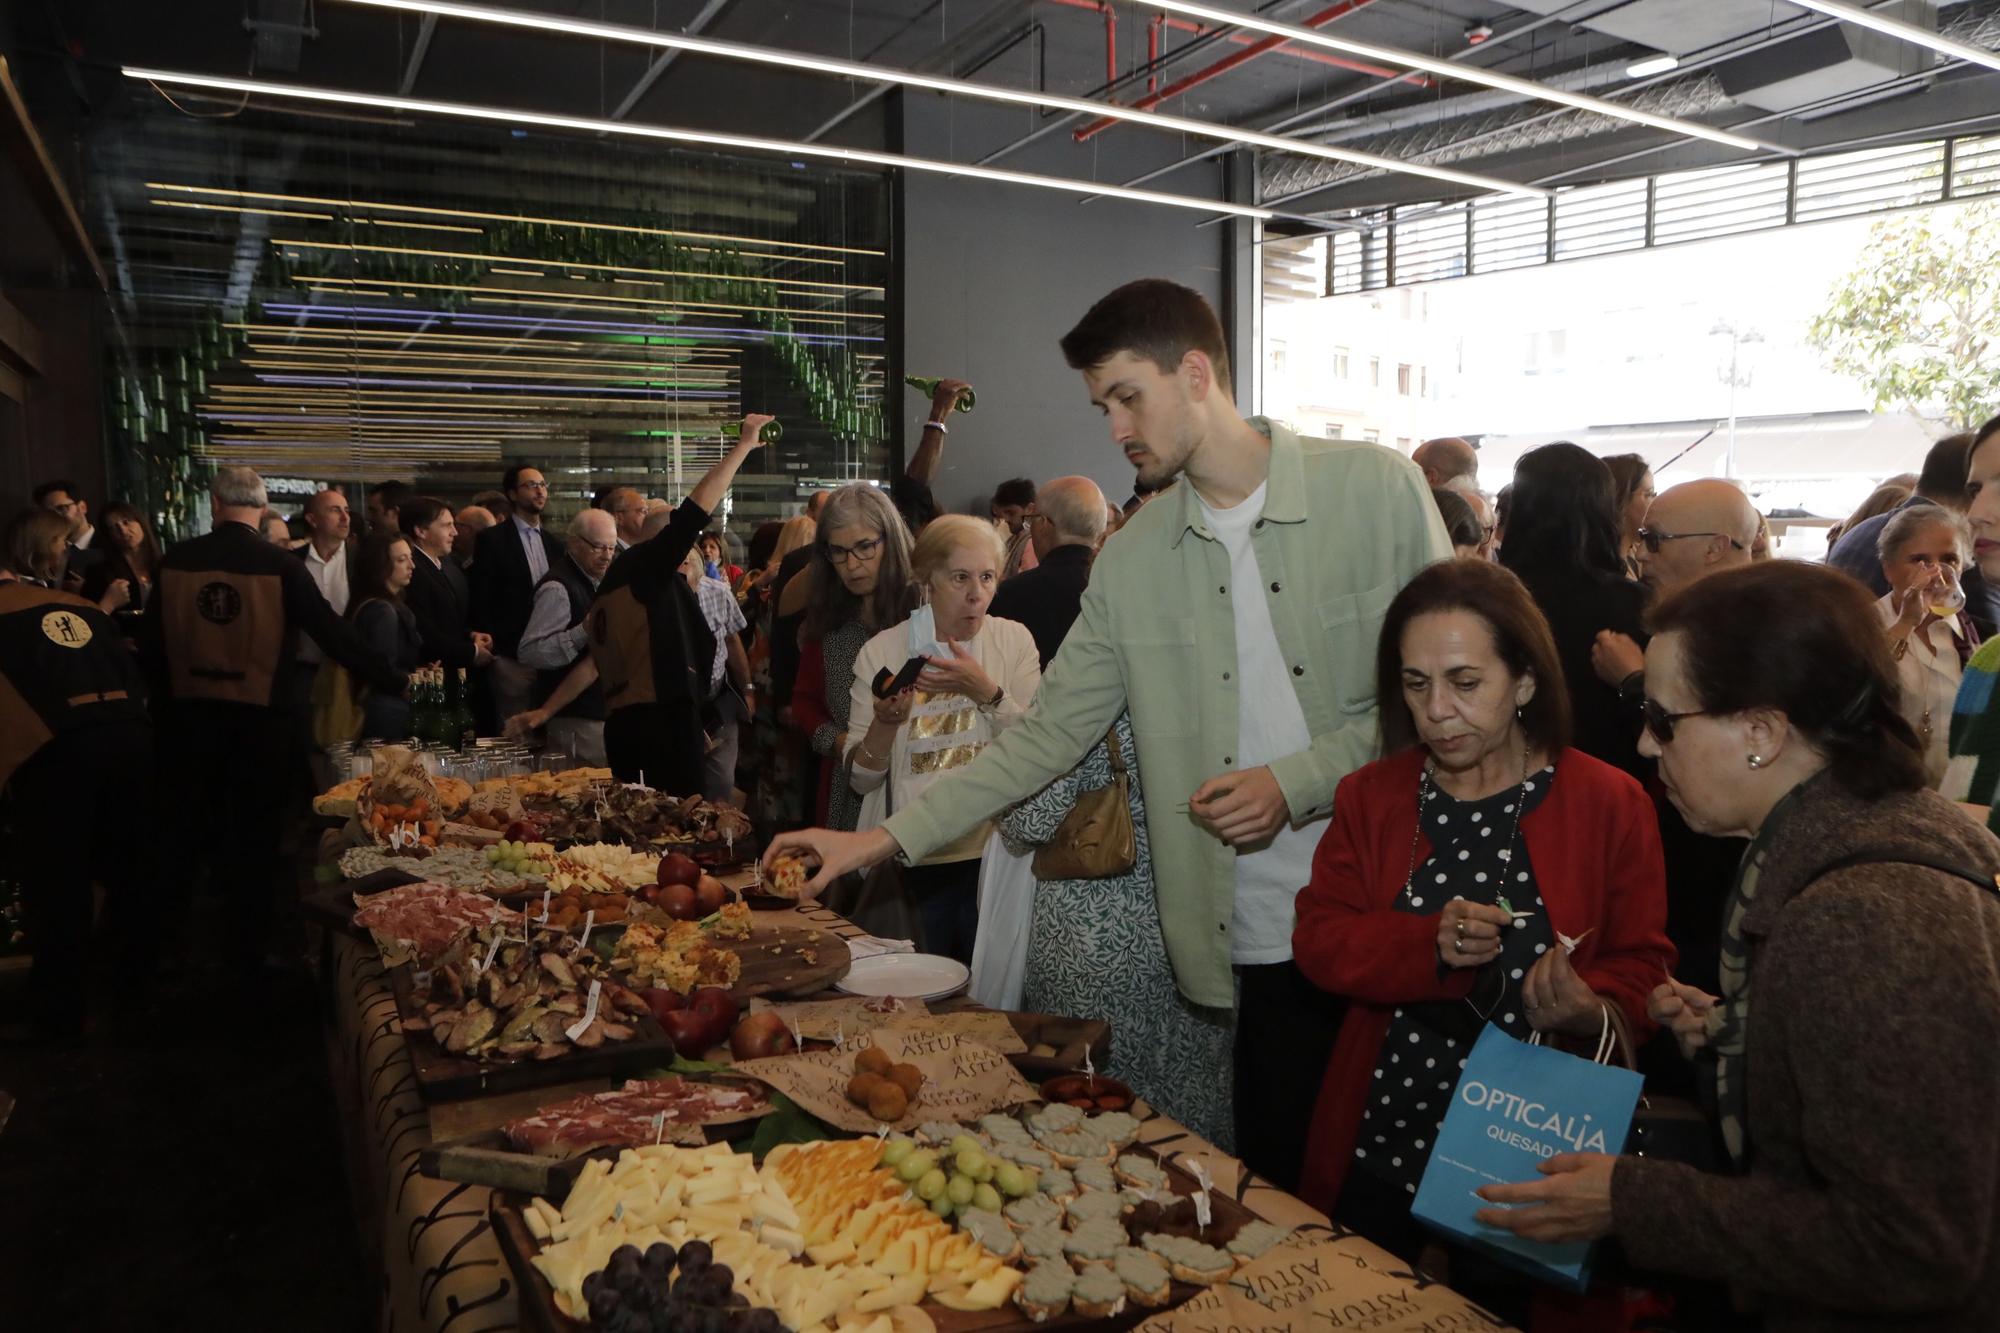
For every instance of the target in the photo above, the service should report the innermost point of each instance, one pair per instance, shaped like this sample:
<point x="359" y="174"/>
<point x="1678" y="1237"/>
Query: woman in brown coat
<point x="1852" y="1045"/>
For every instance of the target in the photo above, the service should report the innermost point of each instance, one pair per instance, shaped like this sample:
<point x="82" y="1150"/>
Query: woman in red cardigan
<point x="1483" y="872"/>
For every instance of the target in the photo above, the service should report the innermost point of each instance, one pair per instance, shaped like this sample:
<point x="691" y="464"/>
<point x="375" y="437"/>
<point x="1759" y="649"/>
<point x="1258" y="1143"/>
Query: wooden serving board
<point x="537" y="1303"/>
<point x="776" y="961"/>
<point x="1072" y="1038"/>
<point x="444" y="1077"/>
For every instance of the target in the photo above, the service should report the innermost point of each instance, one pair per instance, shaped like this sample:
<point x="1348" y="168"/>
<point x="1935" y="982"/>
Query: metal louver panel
<point x="1975" y="166"/>
<point x="1509" y="233"/>
<point x="1601" y="219"/>
<point x="1345" y="262"/>
<point x="1294" y="269"/>
<point x="1431" y="245"/>
<point x="1721" y="201"/>
<point x="1868" y="181"/>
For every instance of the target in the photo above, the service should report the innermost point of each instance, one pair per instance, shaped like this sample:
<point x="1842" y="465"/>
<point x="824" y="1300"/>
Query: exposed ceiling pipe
<point x="1256" y="48"/>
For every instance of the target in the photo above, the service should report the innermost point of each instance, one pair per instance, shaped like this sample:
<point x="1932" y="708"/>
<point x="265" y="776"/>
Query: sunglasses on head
<point x="1661" y="723"/>
<point x="1653" y="537"/>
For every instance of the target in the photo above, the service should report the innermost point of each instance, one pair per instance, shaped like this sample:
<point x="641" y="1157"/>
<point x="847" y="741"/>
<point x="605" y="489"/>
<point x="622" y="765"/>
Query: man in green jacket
<point x="1236" y="617"/>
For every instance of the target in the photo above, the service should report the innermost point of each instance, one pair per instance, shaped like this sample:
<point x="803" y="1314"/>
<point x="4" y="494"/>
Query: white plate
<point x="907" y="976"/>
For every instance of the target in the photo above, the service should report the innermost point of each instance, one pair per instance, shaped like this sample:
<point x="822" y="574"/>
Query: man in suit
<point x="1065" y="527"/>
<point x="329" y="558"/>
<point x="62" y="497"/>
<point x="508" y="560"/>
<point x="627" y="509"/>
<point x="438" y="595"/>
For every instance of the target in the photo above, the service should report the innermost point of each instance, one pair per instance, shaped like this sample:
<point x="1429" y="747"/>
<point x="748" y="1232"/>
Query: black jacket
<point x="502" y="585"/>
<point x="223" y="628"/>
<point x="441" y="600"/>
<point x="1047" y="597"/>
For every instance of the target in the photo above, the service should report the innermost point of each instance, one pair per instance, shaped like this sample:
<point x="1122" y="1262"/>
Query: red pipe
<point x="1243" y="39"/>
<point x="1153" y="51"/>
<point x="1250" y="52"/>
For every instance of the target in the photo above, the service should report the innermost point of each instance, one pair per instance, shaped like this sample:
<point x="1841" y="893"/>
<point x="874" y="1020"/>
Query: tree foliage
<point x="1917" y="320"/>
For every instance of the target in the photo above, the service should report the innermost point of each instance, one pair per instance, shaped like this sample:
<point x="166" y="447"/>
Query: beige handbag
<point x="1095" y="839"/>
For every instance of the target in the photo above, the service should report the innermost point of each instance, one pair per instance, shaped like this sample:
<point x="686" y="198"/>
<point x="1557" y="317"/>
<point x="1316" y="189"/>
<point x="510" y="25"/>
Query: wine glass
<point x="1943" y="595"/>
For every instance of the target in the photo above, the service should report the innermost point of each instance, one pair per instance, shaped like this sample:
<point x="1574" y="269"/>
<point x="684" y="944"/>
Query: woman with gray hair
<point x="860" y="583"/>
<point x="1923" y="548"/>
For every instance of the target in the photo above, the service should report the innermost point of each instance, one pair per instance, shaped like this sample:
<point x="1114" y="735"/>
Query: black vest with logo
<point x="590" y="704"/>
<point x="63" y="666"/>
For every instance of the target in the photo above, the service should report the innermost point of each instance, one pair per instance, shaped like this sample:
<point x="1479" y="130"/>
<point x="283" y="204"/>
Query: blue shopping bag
<point x="1515" y="1106"/>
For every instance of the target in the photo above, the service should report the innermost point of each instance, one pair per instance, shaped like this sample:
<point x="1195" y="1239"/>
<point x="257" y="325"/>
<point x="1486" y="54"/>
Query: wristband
<point x="937" y="426"/>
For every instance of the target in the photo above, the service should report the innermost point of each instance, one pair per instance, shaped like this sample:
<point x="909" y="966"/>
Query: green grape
<point x="941" y="1205"/>
<point x="959" y="1189"/>
<point x="492" y="855"/>
<point x="985" y="1196"/>
<point x="985" y="1172"/>
<point x="964" y="1143"/>
<point x="1011" y="1180"/>
<point x="911" y="1168"/>
<point x="896" y="1149"/>
<point x="970" y="1160"/>
<point x="931" y="1186"/>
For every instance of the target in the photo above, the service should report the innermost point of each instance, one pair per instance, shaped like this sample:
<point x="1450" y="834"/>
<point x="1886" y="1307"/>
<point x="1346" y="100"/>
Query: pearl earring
<point x="1756" y="761"/>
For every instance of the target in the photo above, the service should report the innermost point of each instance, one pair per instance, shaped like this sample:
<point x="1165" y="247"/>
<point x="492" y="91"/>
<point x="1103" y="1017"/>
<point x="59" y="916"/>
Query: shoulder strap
<point x="1978" y="878"/>
<point x="1117" y="751"/>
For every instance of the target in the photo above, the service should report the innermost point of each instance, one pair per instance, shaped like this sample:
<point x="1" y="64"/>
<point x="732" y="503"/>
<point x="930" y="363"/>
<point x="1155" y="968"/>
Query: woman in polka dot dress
<point x="1482" y="873"/>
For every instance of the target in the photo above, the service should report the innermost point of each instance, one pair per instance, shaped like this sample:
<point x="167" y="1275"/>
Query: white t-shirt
<point x="1269" y="725"/>
<point x="331" y="576"/>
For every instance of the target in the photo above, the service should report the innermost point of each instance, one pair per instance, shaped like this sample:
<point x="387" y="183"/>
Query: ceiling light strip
<point x="851" y="69"/>
<point x="571" y="298"/>
<point x="1908" y="32"/>
<point x="707" y="138"/>
<point x="1463" y="73"/>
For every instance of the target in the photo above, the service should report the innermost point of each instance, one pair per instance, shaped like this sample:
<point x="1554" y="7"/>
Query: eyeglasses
<point x="531" y="485"/>
<point x="1653" y="537"/>
<point x="861" y="552"/>
<point x="1661" y="723"/>
<point x="602" y="548"/>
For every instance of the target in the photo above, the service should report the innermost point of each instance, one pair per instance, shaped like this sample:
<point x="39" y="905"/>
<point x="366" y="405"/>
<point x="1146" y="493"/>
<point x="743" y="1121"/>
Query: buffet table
<point x="438" y="1265"/>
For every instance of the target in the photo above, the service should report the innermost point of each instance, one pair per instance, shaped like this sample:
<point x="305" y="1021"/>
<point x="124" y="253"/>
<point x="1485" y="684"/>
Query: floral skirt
<point x="1095" y="951"/>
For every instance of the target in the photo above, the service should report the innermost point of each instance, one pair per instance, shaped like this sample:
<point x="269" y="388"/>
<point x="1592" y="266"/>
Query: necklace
<point x="1425" y="787"/>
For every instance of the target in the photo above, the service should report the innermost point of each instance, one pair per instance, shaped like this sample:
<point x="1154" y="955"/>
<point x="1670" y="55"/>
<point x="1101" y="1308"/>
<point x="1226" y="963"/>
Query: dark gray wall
<point x="994" y="274"/>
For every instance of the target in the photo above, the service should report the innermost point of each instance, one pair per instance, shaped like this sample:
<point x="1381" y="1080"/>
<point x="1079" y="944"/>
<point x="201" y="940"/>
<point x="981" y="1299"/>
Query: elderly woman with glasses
<point x="1860" y="984"/>
<point x="860" y="584"/>
<point x="1482" y="873"/>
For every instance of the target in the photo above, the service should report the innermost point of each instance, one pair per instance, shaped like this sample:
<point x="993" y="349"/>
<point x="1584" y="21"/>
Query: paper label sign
<point x="963" y="1079"/>
<point x="845" y="1019"/>
<point x="1314" y="1282"/>
<point x="577" y="1029"/>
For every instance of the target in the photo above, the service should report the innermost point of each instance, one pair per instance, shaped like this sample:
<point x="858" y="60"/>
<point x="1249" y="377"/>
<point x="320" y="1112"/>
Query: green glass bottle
<point x="463" y="724"/>
<point x="773" y="431"/>
<point x="925" y="385"/>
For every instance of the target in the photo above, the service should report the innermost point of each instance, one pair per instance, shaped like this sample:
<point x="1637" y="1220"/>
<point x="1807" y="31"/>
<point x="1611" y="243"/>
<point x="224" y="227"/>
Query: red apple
<point x="710" y="895"/>
<point x="717" y="1006"/>
<point x="522" y="831"/>
<point x="689" y="1033"/>
<point x="759" y="1035"/>
<point x="663" y="1002"/>
<point x="678" y="902"/>
<point x="679" y="868"/>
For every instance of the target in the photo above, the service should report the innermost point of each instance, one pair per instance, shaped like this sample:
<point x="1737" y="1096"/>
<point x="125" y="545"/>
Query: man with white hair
<point x="1449" y="463"/>
<point x="1065" y="526"/>
<point x="219" y="643"/>
<point x="471" y="521"/>
<point x="555" y="637"/>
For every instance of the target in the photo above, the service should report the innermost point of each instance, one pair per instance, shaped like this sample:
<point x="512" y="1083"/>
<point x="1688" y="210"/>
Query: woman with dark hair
<point x="130" y="555"/>
<point x="1855" y="1094"/>
<point x="1562" y="540"/>
<point x="1467" y="536"/>
<point x="1483" y="872"/>
<point x="1972" y="774"/>
<point x="382" y="570"/>
<point x="859" y="583"/>
<point x="1631" y="493"/>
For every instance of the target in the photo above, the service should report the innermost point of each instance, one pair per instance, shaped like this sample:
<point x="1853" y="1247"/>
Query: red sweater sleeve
<point x="1633" y="953"/>
<point x="809" y="712"/>
<point x="1348" y="939"/>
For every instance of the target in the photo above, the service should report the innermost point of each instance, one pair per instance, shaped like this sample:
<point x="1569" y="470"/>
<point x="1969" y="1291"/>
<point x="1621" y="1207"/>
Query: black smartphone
<point x="886" y="684"/>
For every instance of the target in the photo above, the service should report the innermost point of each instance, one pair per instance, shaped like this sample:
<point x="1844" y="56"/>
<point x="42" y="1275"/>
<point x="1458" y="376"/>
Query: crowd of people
<point x="1304" y="766"/>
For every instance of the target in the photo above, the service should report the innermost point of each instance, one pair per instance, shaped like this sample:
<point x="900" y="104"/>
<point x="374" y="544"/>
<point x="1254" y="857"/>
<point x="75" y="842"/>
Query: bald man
<point x="1482" y="509"/>
<point x="1449" y="462"/>
<point x="1691" y="530"/>
<point x="555" y="639"/>
<point x="1064" y="527"/>
<point x="471" y="520"/>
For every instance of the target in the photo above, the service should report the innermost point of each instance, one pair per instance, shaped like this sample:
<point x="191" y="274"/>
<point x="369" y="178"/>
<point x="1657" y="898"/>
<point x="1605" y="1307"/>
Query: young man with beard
<point x="1237" y="619"/>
